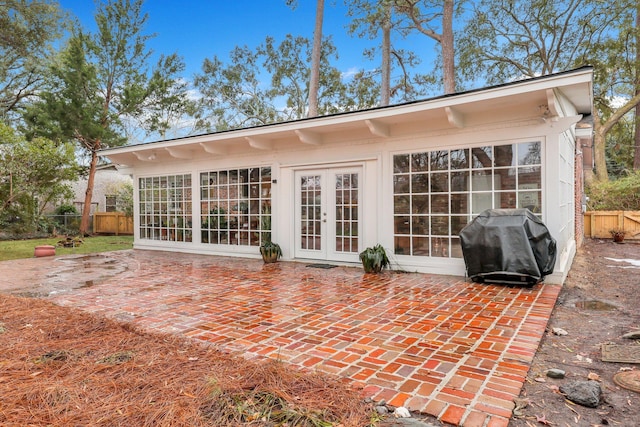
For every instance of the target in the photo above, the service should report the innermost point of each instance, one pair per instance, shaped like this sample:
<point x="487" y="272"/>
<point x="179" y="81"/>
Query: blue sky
<point x="199" y="29"/>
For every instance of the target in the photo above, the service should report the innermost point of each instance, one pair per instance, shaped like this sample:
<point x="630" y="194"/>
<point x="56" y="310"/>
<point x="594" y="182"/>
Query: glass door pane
<point x="311" y="212"/>
<point x="346" y="212"/>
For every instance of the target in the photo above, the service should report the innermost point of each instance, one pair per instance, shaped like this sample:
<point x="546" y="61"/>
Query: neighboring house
<point x="406" y="176"/>
<point x="105" y="187"/>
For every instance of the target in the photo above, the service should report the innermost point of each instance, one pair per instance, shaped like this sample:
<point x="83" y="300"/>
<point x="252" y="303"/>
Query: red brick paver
<point x="437" y="344"/>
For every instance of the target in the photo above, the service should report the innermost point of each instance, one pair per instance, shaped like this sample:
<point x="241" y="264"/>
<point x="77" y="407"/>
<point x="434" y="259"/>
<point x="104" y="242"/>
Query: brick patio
<point x="436" y="344"/>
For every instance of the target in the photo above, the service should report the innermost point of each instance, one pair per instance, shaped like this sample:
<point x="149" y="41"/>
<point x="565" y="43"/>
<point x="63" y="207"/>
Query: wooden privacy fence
<point x="598" y="223"/>
<point x="112" y="223"/>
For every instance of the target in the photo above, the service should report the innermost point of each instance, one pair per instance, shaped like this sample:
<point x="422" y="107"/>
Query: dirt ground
<point x="598" y="304"/>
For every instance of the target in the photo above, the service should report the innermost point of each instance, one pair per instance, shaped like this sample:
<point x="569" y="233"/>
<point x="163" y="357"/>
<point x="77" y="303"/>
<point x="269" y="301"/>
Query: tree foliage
<point x="235" y="95"/>
<point x="102" y="81"/>
<point x="434" y="19"/>
<point x="28" y="29"/>
<point x="34" y="173"/>
<point x="395" y="76"/>
<point x="512" y="39"/>
<point x="168" y="103"/>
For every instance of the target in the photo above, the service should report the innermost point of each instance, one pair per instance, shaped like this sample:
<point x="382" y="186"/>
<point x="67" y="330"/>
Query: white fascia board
<point x="571" y="79"/>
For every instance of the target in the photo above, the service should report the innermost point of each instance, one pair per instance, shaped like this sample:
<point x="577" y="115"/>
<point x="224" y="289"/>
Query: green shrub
<point x="66" y="209"/>
<point x="620" y="195"/>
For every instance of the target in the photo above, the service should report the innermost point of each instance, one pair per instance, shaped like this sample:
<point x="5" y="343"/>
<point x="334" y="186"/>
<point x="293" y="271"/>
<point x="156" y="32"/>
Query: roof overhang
<point x="544" y="97"/>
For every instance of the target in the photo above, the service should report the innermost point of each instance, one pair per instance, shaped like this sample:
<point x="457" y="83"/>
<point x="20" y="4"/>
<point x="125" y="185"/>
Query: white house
<point x="107" y="182"/>
<point x="406" y="176"/>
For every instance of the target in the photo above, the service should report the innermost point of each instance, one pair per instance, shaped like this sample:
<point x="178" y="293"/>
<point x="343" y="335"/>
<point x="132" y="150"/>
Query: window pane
<point x="530" y="200"/>
<point x="421" y="246"/>
<point x="420" y="162"/>
<point x="440" y="182"/>
<point x="440" y="247"/>
<point x="482" y="157"/>
<point x="402" y="245"/>
<point x="402" y="225"/>
<point x="401" y="184"/>
<point x="440" y="204"/>
<point x="529" y="153"/>
<point x="456" y="248"/>
<point x="482" y="180"/>
<point x="460" y="203"/>
<point x="529" y="178"/>
<point x="439" y="160"/>
<point x="420" y="204"/>
<point x="420" y="183"/>
<point x="460" y="159"/>
<point x="505" y="179"/>
<point x="504" y="155"/>
<point x="401" y="205"/>
<point x="481" y="202"/>
<point x="458" y="223"/>
<point x="507" y="200"/>
<point x="459" y="181"/>
<point x="401" y="163"/>
<point x="440" y="225"/>
<point x="420" y="225"/>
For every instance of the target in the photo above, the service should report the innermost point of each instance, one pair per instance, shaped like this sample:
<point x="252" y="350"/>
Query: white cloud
<point x="350" y="73"/>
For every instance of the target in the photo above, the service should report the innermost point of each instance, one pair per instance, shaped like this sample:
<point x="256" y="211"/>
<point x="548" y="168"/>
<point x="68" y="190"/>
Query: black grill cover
<point x="508" y="246"/>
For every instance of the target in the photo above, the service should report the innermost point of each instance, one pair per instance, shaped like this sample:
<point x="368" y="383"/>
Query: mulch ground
<point x="62" y="367"/>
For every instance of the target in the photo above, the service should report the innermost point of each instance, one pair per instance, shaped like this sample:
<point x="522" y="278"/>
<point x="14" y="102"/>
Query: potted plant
<point x="618" y="235"/>
<point x="270" y="251"/>
<point x="374" y="259"/>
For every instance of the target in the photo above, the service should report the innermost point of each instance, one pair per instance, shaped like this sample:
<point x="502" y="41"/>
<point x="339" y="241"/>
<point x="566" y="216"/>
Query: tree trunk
<point x="385" y="86"/>
<point x="599" y="148"/>
<point x="600" y="131"/>
<point x="448" y="57"/>
<point x="88" y="195"/>
<point x="636" y="136"/>
<point x="314" y="80"/>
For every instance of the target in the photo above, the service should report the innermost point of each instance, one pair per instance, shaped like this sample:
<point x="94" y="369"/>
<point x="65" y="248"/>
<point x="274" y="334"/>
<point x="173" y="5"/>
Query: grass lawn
<point x="17" y="249"/>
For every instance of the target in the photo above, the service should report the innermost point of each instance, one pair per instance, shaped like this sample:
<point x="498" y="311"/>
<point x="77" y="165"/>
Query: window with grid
<point x="165" y="208"/>
<point x="111" y="203"/>
<point x="436" y="193"/>
<point x="236" y="206"/>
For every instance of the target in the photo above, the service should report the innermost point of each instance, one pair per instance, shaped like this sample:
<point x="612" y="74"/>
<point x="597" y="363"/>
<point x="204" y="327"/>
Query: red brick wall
<point x="579" y="191"/>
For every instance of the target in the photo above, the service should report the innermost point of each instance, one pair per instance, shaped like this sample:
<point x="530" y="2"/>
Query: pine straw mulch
<point x="63" y="367"/>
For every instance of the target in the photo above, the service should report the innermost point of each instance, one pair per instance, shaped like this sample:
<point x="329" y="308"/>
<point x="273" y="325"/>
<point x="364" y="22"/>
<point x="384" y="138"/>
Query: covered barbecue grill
<point x="508" y="246"/>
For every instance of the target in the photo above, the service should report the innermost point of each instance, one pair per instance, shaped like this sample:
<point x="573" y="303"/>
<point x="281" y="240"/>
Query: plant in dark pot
<point x="374" y="259"/>
<point x="618" y="235"/>
<point x="270" y="251"/>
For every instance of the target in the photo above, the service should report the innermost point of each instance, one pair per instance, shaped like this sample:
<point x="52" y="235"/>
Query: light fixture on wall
<point x="546" y="114"/>
<point x="544" y="111"/>
<point x="152" y="156"/>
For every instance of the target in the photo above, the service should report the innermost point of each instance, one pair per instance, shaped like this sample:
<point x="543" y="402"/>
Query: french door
<point x="328" y="214"/>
